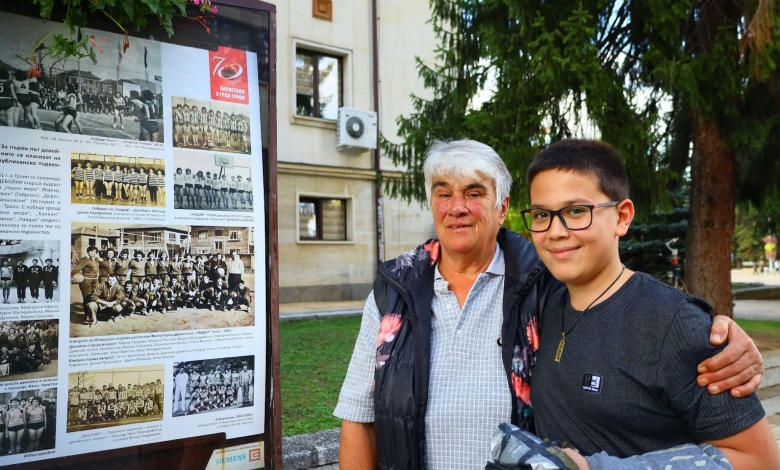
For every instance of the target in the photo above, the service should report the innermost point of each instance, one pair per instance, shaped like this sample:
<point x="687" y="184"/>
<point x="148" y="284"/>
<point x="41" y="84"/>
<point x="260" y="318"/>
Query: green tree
<point x="655" y="78"/>
<point x="122" y="14"/>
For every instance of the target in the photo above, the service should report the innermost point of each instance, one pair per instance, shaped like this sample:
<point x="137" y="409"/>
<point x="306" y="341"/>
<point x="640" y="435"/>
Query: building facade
<point x="175" y="240"/>
<point x="225" y="240"/>
<point x="327" y="201"/>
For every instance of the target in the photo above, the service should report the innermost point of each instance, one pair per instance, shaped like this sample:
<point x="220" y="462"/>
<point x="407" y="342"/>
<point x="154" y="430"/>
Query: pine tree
<point x="654" y="78"/>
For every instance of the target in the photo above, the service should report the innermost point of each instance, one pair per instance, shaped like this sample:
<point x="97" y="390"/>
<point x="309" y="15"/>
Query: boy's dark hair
<point x="585" y="157"/>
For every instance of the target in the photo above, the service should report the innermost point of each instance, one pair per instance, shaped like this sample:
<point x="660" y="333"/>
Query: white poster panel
<point x="132" y="272"/>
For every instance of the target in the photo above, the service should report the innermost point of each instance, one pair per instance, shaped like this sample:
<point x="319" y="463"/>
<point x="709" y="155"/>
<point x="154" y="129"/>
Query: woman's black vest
<point x="404" y="292"/>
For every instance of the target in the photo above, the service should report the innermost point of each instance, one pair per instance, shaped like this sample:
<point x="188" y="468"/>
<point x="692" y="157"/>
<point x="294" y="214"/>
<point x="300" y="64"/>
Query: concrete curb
<point x="763" y="292"/>
<point x="326" y="314"/>
<point x="306" y="451"/>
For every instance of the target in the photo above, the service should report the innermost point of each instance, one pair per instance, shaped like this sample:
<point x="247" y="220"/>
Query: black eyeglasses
<point x="577" y="217"/>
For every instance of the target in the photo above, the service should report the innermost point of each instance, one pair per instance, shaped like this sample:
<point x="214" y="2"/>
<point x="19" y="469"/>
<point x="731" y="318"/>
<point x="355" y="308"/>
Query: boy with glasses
<point x="618" y="349"/>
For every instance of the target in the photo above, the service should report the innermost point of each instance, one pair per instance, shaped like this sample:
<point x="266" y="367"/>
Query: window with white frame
<point x="233" y="235"/>
<point x="319" y="84"/>
<point x="322" y="218"/>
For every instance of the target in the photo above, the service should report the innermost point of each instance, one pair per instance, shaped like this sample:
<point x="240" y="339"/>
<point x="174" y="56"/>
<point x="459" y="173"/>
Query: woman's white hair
<point x="466" y="159"/>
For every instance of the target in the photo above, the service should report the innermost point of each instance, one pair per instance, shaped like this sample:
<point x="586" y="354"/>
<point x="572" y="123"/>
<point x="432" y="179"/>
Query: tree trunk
<point x="711" y="227"/>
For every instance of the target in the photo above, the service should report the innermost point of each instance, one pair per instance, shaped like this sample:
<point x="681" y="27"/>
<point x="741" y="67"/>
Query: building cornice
<point x="308" y="169"/>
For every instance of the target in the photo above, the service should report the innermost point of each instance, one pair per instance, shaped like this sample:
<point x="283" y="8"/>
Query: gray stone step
<point x="311" y="450"/>
<point x="772" y="369"/>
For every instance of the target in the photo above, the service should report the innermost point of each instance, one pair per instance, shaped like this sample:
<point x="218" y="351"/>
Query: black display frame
<point x="259" y="18"/>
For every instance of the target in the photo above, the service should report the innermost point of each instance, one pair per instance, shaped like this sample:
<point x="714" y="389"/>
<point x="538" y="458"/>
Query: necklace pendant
<point x="561" y="344"/>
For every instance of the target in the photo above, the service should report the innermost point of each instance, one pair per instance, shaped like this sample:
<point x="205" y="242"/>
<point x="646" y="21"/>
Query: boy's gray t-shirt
<point x="626" y="382"/>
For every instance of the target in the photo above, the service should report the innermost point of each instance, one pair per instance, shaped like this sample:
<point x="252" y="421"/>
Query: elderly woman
<point x="446" y="347"/>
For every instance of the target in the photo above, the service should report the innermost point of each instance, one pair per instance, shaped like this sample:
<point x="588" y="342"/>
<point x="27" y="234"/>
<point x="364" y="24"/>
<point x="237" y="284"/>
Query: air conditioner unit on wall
<point x="356" y="131"/>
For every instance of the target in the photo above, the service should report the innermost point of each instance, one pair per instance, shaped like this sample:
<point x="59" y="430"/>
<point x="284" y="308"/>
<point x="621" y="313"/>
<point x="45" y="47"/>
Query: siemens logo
<point x="235" y="458"/>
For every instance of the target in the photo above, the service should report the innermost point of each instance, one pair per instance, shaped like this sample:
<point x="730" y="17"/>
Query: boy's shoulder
<point x="646" y="290"/>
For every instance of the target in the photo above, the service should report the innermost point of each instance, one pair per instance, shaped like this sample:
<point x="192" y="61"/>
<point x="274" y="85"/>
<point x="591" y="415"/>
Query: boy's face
<point x="578" y="257"/>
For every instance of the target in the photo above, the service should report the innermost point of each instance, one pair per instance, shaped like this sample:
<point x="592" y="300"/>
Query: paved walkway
<point x="746" y="275"/>
<point x="743" y="309"/>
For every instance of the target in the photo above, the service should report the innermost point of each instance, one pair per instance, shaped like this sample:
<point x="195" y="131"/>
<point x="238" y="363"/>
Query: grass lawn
<point x="765" y="333"/>
<point x="315" y="354"/>
<point x="744" y="285"/>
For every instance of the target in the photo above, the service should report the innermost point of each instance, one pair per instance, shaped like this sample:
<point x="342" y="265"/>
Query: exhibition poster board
<point x="135" y="240"/>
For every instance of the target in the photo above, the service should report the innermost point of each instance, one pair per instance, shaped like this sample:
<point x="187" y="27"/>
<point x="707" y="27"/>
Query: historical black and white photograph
<point x="28" y="349"/>
<point x="119" y="97"/>
<point x="212" y="385"/>
<point x="212" y="181"/>
<point x="115" y="397"/>
<point x="141" y="278"/>
<point x="30" y="421"/>
<point x="115" y="180"/>
<point x="210" y="125"/>
<point x="29" y="271"/>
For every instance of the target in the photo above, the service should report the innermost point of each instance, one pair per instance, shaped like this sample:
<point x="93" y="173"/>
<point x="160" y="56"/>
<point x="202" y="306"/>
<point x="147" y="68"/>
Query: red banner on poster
<point x="229" y="75"/>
